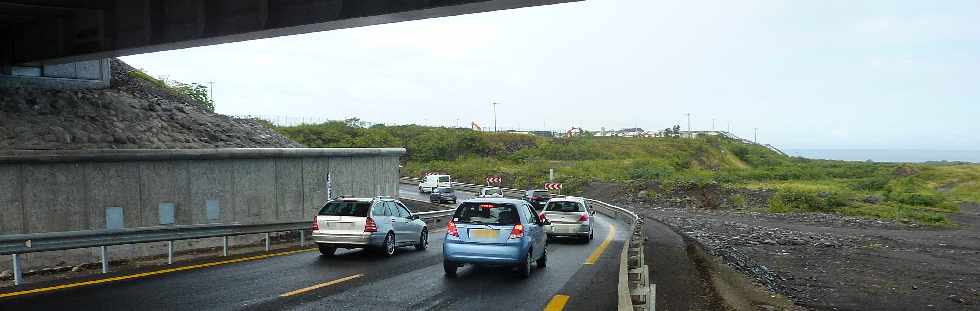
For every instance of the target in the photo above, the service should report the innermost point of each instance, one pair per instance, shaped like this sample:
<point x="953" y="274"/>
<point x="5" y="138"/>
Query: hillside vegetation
<point x="921" y="193"/>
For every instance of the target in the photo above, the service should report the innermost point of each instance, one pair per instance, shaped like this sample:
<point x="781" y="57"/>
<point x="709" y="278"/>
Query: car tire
<point x="423" y="242"/>
<point x="450" y="268"/>
<point x="388" y="246"/>
<point x="327" y="250"/>
<point x="543" y="261"/>
<point x="524" y="270"/>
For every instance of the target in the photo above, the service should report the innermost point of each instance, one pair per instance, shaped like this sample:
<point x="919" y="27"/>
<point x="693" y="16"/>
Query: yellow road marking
<point x="557" y="303"/>
<point x="602" y="247"/>
<point x="321" y="285"/>
<point x="145" y="274"/>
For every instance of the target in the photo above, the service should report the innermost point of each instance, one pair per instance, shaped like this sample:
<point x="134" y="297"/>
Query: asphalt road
<point x="357" y="280"/>
<point x="412" y="192"/>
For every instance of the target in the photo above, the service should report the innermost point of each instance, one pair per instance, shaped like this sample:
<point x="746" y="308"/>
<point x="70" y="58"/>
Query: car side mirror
<point x="546" y="222"/>
<point x="416" y="217"/>
<point x="593" y="212"/>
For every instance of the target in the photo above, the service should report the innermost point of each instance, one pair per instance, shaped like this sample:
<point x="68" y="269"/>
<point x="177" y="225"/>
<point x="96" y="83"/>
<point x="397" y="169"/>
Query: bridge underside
<point x="39" y="32"/>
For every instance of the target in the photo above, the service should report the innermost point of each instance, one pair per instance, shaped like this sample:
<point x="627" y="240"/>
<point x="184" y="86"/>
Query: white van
<point x="431" y="182"/>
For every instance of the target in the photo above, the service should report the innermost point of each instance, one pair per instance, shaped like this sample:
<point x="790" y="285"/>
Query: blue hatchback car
<point x="495" y="231"/>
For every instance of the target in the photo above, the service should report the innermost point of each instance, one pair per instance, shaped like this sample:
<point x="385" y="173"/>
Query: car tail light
<point x="451" y="229"/>
<point x="517" y="232"/>
<point x="541" y="216"/>
<point x="370" y="226"/>
<point x="316" y="226"/>
<point x="584" y="218"/>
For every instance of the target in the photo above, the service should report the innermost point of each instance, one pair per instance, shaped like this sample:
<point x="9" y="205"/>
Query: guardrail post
<point x="170" y="252"/>
<point x="267" y="241"/>
<point x="105" y="260"/>
<point x="225" y="247"/>
<point x="17" y="275"/>
<point x="302" y="238"/>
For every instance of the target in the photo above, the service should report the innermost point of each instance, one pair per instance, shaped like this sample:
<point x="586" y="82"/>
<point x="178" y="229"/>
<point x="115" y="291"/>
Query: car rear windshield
<point x="346" y="208"/>
<point x="444" y="190"/>
<point x="492" y="191"/>
<point x="443" y="178"/>
<point x="541" y="193"/>
<point x="486" y="214"/>
<point x="564" y="206"/>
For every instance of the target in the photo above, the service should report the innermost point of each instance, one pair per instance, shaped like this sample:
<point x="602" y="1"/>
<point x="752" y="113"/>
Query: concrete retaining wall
<point x="91" y="74"/>
<point x="53" y="191"/>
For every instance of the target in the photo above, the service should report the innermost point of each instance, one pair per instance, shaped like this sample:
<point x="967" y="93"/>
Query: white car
<point x="431" y="182"/>
<point x="569" y="217"/>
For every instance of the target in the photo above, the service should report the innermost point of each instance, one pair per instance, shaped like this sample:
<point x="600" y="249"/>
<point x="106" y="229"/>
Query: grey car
<point x="443" y="195"/>
<point x="380" y="224"/>
<point x="569" y="217"/>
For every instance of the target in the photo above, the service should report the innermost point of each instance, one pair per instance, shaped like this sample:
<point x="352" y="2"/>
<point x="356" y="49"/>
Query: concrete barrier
<point x="60" y="191"/>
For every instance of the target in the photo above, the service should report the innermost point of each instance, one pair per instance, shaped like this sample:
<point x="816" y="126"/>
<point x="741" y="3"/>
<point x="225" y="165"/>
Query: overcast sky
<point x="808" y="74"/>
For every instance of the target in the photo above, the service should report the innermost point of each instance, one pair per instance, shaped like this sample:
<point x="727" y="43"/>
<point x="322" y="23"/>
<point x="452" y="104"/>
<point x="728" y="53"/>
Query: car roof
<point x="494" y="200"/>
<point x="567" y="199"/>
<point x="362" y="199"/>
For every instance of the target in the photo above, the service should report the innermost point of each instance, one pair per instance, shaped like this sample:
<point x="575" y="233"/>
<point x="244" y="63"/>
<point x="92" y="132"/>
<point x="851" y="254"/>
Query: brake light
<point x="451" y="229"/>
<point x="486" y="205"/>
<point x="370" y="226"/>
<point x="584" y="218"/>
<point x="316" y="226"/>
<point x="541" y="216"/>
<point x="517" y="232"/>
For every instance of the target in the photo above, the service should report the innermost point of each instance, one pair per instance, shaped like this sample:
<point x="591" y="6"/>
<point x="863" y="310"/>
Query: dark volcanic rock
<point x="133" y="113"/>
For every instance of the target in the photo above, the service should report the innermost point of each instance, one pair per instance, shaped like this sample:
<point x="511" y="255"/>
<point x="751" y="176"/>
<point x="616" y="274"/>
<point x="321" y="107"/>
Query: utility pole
<point x="211" y="89"/>
<point x="495" y="116"/>
<point x="755" y="135"/>
<point x="729" y="126"/>
<point x="712" y="124"/>
<point x="689" y="134"/>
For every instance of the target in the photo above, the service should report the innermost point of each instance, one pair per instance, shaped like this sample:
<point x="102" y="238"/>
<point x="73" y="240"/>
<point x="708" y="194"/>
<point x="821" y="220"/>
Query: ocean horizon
<point x="888" y="155"/>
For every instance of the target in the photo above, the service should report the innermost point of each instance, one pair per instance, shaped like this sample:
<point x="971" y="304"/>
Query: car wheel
<point x="525" y="269"/>
<point x="327" y="250"/>
<point x="389" y="245"/>
<point x="423" y="242"/>
<point x="450" y="268"/>
<point x="543" y="261"/>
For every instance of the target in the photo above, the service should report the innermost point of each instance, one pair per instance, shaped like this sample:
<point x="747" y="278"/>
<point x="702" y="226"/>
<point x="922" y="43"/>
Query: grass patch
<point x="920" y="193"/>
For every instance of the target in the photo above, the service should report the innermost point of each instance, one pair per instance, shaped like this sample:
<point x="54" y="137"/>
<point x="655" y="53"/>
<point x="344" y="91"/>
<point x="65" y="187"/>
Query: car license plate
<point x="483" y="234"/>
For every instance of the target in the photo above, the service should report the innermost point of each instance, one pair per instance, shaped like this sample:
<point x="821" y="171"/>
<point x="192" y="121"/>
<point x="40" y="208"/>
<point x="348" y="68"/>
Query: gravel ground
<point x="830" y="262"/>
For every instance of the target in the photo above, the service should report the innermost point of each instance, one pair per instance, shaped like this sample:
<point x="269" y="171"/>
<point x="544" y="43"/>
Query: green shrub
<point x="811" y="199"/>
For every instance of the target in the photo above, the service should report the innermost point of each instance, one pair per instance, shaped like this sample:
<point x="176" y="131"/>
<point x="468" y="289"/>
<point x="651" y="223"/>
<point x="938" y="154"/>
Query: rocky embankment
<point x="133" y="113"/>
<point x="829" y="262"/>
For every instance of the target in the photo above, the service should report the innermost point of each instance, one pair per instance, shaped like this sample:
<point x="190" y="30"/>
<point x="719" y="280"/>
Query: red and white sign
<point x="552" y="186"/>
<point x="494" y="179"/>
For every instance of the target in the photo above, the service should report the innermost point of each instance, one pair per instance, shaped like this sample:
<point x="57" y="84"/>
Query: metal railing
<point x="636" y="292"/>
<point x="18" y="244"/>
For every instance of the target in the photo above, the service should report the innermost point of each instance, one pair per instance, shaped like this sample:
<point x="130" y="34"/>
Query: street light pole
<point x="755" y="135"/>
<point x="495" y="116"/>
<point x="211" y="89"/>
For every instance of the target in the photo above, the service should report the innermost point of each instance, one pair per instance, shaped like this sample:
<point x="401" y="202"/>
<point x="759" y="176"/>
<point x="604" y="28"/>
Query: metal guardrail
<point x="636" y="292"/>
<point x="17" y="244"/>
<point x="634" y="287"/>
